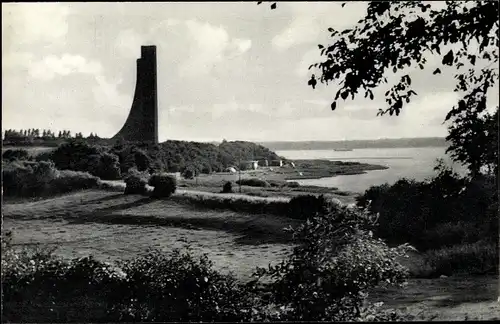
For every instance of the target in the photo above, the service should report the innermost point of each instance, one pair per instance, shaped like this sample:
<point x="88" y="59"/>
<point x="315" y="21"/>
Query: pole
<point x="239" y="173"/>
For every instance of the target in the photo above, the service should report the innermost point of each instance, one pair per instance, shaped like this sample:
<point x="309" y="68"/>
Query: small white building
<point x="230" y="169"/>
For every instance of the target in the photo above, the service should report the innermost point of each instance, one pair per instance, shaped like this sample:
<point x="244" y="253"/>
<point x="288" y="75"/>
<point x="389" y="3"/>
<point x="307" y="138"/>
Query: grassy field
<point x="113" y="226"/>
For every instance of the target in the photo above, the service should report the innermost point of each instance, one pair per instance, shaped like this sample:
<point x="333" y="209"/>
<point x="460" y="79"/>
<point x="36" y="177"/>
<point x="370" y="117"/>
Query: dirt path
<point x="445" y="299"/>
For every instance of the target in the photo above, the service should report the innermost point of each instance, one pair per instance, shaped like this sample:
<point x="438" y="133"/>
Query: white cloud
<point x="25" y="23"/>
<point x="52" y="66"/>
<point x="310" y="21"/>
<point x="310" y="57"/>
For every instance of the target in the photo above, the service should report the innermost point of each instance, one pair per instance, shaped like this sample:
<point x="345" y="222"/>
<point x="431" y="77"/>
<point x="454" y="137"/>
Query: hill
<point x="357" y="144"/>
<point x="171" y="156"/>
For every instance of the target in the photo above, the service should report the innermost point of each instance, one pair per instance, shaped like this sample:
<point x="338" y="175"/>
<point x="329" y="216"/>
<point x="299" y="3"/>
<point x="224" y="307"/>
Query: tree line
<point x="46" y="134"/>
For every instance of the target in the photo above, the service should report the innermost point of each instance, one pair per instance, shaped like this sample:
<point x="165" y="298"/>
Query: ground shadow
<point x="107" y="198"/>
<point x="249" y="234"/>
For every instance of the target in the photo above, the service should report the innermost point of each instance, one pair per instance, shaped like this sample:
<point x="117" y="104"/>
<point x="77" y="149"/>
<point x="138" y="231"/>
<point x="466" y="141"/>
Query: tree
<point x="395" y="35"/>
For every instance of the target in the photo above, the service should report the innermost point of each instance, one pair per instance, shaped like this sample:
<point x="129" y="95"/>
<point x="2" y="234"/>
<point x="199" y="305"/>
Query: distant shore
<point x="316" y="169"/>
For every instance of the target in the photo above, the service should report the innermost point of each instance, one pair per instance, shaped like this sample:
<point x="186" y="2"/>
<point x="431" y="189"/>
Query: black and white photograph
<point x="250" y="161"/>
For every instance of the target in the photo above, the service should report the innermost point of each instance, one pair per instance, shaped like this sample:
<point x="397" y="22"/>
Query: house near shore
<point x="230" y="170"/>
<point x="249" y="165"/>
<point x="278" y="163"/>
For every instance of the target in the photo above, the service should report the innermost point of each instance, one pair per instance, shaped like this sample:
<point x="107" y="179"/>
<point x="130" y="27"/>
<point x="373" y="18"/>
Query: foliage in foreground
<point x="337" y="260"/>
<point x="325" y="278"/>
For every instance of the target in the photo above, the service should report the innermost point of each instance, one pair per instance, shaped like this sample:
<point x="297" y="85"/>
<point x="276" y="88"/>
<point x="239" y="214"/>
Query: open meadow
<point x="112" y="226"/>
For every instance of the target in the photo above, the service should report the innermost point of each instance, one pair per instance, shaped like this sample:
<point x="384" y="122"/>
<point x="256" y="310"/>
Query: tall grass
<point x="471" y="258"/>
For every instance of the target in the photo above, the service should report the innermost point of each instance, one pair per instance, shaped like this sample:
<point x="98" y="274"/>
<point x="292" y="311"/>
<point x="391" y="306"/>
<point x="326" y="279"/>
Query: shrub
<point x="449" y="234"/>
<point x="28" y="179"/>
<point x="164" y="185"/>
<point x="37" y="286"/>
<point x="142" y="160"/>
<point x="104" y="165"/>
<point x="253" y="182"/>
<point x="16" y="154"/>
<point x="68" y="181"/>
<point x="188" y="174"/>
<point x="477" y="258"/>
<point x="228" y="187"/>
<point x="336" y="261"/>
<point x="413" y="211"/>
<point x="179" y="288"/>
<point x="135" y="182"/>
<point x="74" y="155"/>
<point x="293" y="184"/>
<point x="44" y="156"/>
<point x="305" y="206"/>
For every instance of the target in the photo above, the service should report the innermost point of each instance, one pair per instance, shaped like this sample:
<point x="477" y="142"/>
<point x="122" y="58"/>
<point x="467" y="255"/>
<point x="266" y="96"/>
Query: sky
<point x="228" y="70"/>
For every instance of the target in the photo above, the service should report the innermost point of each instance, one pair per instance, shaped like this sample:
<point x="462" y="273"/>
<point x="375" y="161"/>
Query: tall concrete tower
<point x="142" y="121"/>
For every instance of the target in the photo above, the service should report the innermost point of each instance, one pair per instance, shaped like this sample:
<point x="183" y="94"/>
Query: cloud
<point x="310" y="21"/>
<point x="52" y="66"/>
<point x="310" y="57"/>
<point x="196" y="46"/>
<point x="211" y="45"/>
<point x="33" y="23"/>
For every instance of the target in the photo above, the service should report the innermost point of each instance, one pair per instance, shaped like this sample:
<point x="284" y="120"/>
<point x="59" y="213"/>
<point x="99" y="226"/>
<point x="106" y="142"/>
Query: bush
<point x="28" y="179"/>
<point x="293" y="184"/>
<point x="305" y="206"/>
<point x="253" y="182"/>
<point x="16" y="154"/>
<point x="104" y="165"/>
<point x="39" y="287"/>
<point x="476" y="258"/>
<point x="414" y="212"/>
<point x="228" y="187"/>
<point x="178" y="288"/>
<point x="135" y="182"/>
<point x="74" y="155"/>
<point x="449" y="234"/>
<point x="188" y="174"/>
<point x="142" y="160"/>
<point x="68" y="181"/>
<point x="336" y="261"/>
<point x="164" y="185"/>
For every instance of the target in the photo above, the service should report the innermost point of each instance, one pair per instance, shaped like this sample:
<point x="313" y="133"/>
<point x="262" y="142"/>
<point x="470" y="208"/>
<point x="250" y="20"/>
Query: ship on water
<point x="342" y="149"/>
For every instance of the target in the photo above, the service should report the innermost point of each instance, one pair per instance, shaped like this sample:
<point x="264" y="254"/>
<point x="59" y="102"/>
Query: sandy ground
<point x="113" y="226"/>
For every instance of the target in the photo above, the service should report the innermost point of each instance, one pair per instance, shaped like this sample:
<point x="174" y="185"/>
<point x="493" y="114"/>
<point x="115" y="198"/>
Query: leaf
<point x="259" y="2"/>
<point x="371" y="95"/>
<point x="420" y="66"/>
<point x="273" y="6"/>
<point x="333" y="105"/>
<point x="437" y="71"/>
<point x="342" y="5"/>
<point x="472" y="59"/>
<point x="344" y="95"/>
<point x="312" y="82"/>
<point x="320" y="46"/>
<point x="448" y="58"/>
